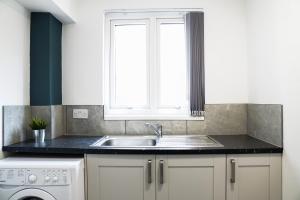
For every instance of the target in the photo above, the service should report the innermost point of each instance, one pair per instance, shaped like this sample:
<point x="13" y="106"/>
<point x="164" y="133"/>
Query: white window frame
<point x="112" y="67"/>
<point x="154" y="110"/>
<point x="160" y="21"/>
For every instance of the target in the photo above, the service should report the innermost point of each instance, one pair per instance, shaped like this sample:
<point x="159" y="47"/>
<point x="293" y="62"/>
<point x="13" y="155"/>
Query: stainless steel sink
<point x="152" y="142"/>
<point x="125" y="142"/>
<point x="187" y="141"/>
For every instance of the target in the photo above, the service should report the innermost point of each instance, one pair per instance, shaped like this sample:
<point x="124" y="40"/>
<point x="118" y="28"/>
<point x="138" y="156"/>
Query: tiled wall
<point x="219" y="119"/>
<point x="58" y="121"/>
<point x="15" y="124"/>
<point x="257" y="120"/>
<point x="265" y="122"/>
<point x="17" y="118"/>
<point x="55" y="116"/>
<point x="94" y="125"/>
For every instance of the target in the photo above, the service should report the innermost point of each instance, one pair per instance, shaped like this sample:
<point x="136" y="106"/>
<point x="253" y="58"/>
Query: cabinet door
<point x="121" y="177"/>
<point x="254" y="176"/>
<point x="191" y="177"/>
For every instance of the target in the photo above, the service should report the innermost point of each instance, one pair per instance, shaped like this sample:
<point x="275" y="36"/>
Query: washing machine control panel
<point x="53" y="176"/>
<point x="12" y="176"/>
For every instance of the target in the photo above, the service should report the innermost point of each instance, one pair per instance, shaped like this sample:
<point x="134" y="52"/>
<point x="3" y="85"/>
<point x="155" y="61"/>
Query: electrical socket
<point x="80" y="113"/>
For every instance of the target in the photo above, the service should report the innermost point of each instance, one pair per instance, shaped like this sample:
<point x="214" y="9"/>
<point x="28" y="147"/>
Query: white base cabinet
<point x="120" y="177"/>
<point x="135" y="177"/>
<point x="190" y="177"/>
<point x="184" y="177"/>
<point x="254" y="177"/>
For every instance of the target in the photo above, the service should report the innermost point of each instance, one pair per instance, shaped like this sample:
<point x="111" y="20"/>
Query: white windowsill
<point x="154" y="118"/>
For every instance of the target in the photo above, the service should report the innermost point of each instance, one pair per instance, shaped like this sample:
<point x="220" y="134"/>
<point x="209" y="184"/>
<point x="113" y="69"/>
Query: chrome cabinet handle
<point x="232" y="163"/>
<point x="161" y="172"/>
<point x="149" y="171"/>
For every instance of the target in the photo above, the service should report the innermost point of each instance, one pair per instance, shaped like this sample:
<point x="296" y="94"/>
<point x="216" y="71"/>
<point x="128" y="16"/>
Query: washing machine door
<point x="32" y="194"/>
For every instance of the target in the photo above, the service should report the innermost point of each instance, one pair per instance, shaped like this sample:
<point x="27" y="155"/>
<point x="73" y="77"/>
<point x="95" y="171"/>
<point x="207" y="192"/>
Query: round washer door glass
<point x="32" y="194"/>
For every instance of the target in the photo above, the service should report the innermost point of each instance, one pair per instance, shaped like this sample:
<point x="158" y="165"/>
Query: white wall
<point x="274" y="60"/>
<point x="14" y="55"/>
<point x="264" y="46"/>
<point x="290" y="65"/>
<point x="225" y="34"/>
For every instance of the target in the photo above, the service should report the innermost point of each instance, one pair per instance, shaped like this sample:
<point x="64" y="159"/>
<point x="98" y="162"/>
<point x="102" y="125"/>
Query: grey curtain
<point x="195" y="59"/>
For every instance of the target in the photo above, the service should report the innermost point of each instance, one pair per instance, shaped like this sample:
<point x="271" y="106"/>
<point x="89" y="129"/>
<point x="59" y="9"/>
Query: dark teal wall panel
<point x="55" y="61"/>
<point x="45" y="60"/>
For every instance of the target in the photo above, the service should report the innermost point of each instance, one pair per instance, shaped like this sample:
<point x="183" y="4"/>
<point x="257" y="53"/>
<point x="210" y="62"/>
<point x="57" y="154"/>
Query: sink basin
<point x="126" y="142"/>
<point x="188" y="141"/>
<point x="151" y="142"/>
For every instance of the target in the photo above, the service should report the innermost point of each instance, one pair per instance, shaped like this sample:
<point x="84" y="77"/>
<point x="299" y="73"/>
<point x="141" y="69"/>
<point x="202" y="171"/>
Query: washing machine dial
<point x="47" y="178"/>
<point x="32" y="178"/>
<point x="55" y="179"/>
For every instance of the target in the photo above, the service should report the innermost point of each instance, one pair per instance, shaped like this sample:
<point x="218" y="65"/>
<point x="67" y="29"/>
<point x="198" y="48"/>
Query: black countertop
<point x="233" y="144"/>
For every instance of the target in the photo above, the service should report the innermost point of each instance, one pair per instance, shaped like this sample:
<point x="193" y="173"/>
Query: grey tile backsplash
<point x="257" y="120"/>
<point x="16" y="121"/>
<point x="168" y="127"/>
<point x="94" y="125"/>
<point x="55" y="116"/>
<point x="265" y="122"/>
<point x="58" y="121"/>
<point x="15" y="124"/>
<point x="43" y="112"/>
<point x="219" y="119"/>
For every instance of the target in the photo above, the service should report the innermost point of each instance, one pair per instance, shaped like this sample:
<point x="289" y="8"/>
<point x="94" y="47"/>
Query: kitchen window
<point x="146" y="73"/>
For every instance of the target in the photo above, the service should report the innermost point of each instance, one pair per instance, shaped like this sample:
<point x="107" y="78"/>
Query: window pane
<point x="173" y="70"/>
<point x="130" y="64"/>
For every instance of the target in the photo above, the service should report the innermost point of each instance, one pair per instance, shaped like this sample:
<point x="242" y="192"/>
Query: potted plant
<point x="38" y="127"/>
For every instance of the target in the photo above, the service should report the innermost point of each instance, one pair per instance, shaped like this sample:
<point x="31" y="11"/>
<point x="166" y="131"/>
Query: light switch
<point x="80" y="113"/>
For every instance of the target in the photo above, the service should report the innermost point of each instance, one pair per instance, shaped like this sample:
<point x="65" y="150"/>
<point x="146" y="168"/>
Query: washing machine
<point x="28" y="178"/>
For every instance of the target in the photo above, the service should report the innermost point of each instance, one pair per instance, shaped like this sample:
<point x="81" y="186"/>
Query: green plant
<point x="37" y="124"/>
